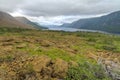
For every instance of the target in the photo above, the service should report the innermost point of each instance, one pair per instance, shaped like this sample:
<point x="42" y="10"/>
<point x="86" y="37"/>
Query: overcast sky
<point x="58" y="11"/>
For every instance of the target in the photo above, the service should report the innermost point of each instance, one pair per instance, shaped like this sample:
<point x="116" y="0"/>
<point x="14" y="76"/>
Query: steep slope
<point x="26" y="21"/>
<point x="7" y="20"/>
<point x="109" y="23"/>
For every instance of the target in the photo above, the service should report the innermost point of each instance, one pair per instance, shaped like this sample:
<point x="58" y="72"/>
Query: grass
<point x="6" y="58"/>
<point x="67" y="46"/>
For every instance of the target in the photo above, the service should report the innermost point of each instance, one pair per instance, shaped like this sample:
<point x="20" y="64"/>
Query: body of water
<point x="73" y="29"/>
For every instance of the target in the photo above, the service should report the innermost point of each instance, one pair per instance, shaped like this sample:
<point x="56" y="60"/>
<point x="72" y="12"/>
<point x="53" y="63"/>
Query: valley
<point x="59" y="39"/>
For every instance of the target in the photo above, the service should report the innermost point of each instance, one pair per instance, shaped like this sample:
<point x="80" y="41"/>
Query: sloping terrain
<point x="51" y="55"/>
<point x="108" y="23"/>
<point x="26" y="21"/>
<point x="7" y="20"/>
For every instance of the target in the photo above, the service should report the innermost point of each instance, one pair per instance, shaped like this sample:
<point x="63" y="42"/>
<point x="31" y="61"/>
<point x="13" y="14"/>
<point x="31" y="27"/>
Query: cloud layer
<point x="60" y="7"/>
<point x="57" y="8"/>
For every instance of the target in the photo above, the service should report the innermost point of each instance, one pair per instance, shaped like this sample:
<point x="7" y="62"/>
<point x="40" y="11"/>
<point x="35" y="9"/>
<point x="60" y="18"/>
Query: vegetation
<point x="86" y="71"/>
<point x="36" y="54"/>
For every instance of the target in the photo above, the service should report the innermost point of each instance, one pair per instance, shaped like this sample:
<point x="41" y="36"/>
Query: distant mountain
<point x="6" y="20"/>
<point x="26" y="21"/>
<point x="49" y="26"/>
<point x="108" y="23"/>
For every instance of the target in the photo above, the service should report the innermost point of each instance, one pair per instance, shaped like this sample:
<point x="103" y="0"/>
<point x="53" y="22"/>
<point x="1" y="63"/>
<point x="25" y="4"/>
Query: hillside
<point x="52" y="55"/>
<point x="109" y="23"/>
<point x="26" y="21"/>
<point x="7" y="20"/>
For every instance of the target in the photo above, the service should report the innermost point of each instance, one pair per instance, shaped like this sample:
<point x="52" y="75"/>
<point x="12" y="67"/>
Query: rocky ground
<point x="110" y="62"/>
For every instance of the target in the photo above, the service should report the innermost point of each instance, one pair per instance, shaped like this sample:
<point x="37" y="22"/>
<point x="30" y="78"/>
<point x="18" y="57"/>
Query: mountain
<point x="26" y="21"/>
<point x="49" y="26"/>
<point x="109" y="23"/>
<point x="6" y="20"/>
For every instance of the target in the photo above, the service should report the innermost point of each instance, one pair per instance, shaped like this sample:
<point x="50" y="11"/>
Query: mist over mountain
<point x="108" y="23"/>
<point x="26" y="21"/>
<point x="6" y="20"/>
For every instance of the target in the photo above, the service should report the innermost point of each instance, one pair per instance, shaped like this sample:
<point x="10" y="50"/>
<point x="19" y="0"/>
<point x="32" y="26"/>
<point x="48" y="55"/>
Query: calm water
<point x="73" y="29"/>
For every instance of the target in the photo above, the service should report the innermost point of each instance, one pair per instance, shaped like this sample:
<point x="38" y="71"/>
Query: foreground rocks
<point x="110" y="62"/>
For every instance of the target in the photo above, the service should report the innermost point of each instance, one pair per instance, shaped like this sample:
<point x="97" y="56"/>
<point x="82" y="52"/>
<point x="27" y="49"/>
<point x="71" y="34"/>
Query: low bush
<point x="86" y="71"/>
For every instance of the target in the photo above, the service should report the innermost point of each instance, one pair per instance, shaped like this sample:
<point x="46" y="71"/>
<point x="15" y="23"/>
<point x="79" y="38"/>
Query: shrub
<point x="7" y="58"/>
<point x="109" y="47"/>
<point x="86" y="71"/>
<point x="91" y="40"/>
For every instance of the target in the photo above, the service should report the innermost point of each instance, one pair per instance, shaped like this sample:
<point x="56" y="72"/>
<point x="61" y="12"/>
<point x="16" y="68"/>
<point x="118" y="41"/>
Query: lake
<point x="73" y="29"/>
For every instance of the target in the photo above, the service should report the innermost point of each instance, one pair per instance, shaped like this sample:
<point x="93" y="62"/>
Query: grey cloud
<point x="60" y="7"/>
<point x="59" y="11"/>
<point x="10" y="5"/>
<point x="70" y="7"/>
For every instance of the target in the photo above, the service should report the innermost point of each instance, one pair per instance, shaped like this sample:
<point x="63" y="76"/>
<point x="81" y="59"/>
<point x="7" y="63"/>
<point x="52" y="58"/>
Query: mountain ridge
<point x="109" y="23"/>
<point x="6" y="20"/>
<point x="27" y="21"/>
